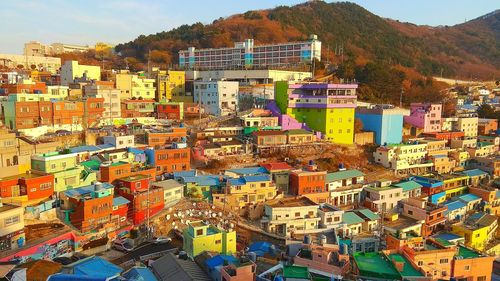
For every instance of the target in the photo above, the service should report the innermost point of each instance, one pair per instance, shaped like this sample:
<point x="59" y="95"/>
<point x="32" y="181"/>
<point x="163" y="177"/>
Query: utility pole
<point x="401" y="98"/>
<point x="149" y="191"/>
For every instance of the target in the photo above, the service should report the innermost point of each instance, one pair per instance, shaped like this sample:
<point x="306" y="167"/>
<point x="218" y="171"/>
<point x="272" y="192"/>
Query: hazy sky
<point x="116" y="21"/>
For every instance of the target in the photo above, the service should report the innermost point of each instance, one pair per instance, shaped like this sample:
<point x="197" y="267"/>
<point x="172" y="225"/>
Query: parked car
<point x="161" y="240"/>
<point x="122" y="246"/>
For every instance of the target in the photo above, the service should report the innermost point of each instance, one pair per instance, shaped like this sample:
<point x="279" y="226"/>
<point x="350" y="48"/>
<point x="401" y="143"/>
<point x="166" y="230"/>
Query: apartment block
<point x="425" y="117"/>
<point x="247" y="55"/>
<point x="385" y="120"/>
<point x="217" y="98"/>
<point x="169" y="159"/>
<point x="135" y="86"/>
<point x="327" y="108"/>
<point x="420" y="209"/>
<point x="11" y="227"/>
<point x="404" y="158"/>
<point x="71" y="71"/>
<point x="290" y="215"/>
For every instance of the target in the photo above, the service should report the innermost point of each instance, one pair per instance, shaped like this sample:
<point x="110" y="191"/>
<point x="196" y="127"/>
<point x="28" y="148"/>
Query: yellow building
<point x="134" y="86"/>
<point x="478" y="230"/>
<point x="245" y="192"/>
<point x="200" y="237"/>
<point x="170" y="85"/>
<point x="72" y="70"/>
<point x="58" y="92"/>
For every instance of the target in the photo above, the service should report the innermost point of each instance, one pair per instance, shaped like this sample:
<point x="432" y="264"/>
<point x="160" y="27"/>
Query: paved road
<point x="144" y="249"/>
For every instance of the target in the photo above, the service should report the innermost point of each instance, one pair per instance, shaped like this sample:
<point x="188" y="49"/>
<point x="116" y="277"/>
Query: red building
<point x="33" y="185"/>
<point x="110" y="173"/>
<point x="89" y="208"/>
<point x="144" y="201"/>
<point x="120" y="211"/>
<point x="30" y="114"/>
<point x="173" y="111"/>
<point x="68" y="112"/>
<point x="448" y="136"/>
<point x="169" y="160"/>
<point x="307" y="181"/>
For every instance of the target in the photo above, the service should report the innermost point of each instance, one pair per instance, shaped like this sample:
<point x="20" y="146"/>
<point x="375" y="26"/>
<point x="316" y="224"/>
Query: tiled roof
<point x="369" y="214"/>
<point x="341" y="175"/>
<point x="276" y="166"/>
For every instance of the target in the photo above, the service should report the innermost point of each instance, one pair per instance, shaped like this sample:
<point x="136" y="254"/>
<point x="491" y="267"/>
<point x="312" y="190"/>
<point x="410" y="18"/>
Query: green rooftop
<point x="369" y="214"/>
<point x="296" y="272"/>
<point x="351" y="218"/>
<point x="408" y="269"/>
<point x="92" y="164"/>
<point x="467" y="253"/>
<point x="376" y="265"/>
<point x="341" y="175"/>
<point x="408" y="185"/>
<point x="483" y="143"/>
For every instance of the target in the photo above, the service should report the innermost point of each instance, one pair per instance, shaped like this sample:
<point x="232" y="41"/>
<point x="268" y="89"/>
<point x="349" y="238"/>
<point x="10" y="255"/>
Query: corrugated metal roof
<point x="118" y="201"/>
<point x="351" y="218"/>
<point x="169" y="268"/>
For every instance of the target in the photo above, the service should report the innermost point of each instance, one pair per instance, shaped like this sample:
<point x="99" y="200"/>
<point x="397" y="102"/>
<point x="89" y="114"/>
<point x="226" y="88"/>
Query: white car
<point x="122" y="246"/>
<point x="161" y="240"/>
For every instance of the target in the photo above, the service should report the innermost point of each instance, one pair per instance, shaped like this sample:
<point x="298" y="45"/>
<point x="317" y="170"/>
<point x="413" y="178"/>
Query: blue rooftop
<point x="246" y="179"/>
<point x="140" y="274"/>
<point x="447" y="236"/>
<point x="106" y="146"/>
<point x="96" y="267"/>
<point x="86" y="189"/>
<point x="135" y="151"/>
<point x="219" y="261"/>
<point x="468" y="198"/>
<point x="118" y="201"/>
<point x="208" y="180"/>
<point x="454" y="205"/>
<point x="181" y="174"/>
<point x="249" y="171"/>
<point x="474" y="173"/>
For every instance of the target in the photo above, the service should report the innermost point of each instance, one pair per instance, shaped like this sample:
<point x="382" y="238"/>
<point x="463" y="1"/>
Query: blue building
<point x="386" y="121"/>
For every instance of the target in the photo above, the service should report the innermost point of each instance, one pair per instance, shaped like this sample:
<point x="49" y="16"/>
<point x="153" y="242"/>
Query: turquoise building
<point x="386" y="121"/>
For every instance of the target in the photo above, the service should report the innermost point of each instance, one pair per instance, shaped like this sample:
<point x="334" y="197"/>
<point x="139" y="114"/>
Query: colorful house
<point x="89" y="208"/>
<point x="65" y="169"/>
<point x="345" y="186"/>
<point x="386" y="121"/>
<point x="11" y="227"/>
<point x="425" y="117"/>
<point x="201" y="187"/>
<point x="169" y="160"/>
<point x="478" y="229"/>
<point x="307" y="181"/>
<point x="200" y="237"/>
<point x="32" y="185"/>
<point x="405" y="158"/>
<point x="327" y="108"/>
<point x="420" y="209"/>
<point x="120" y="211"/>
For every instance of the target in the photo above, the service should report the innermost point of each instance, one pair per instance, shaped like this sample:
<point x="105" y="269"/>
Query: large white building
<point x="217" y="97"/>
<point x="42" y="63"/>
<point x="247" y="55"/>
<point x="35" y="48"/>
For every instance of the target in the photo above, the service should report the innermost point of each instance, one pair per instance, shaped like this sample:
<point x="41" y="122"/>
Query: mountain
<point x="471" y="49"/>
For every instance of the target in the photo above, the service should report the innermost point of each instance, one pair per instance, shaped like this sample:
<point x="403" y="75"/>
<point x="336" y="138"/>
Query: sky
<point x="86" y="22"/>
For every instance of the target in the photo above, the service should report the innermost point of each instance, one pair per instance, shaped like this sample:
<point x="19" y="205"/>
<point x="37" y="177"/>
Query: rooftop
<point x="401" y="223"/>
<point x="351" y="218"/>
<point x="167" y="184"/>
<point x="118" y="201"/>
<point x="276" y="166"/>
<point x="408" y="269"/>
<point x="341" y="175"/>
<point x="269" y="133"/>
<point x="291" y="202"/>
<point x="296" y="272"/>
<point x="467" y="253"/>
<point x="474" y="173"/>
<point x="7" y="207"/>
<point x="298" y="132"/>
<point x="408" y="185"/>
<point x="468" y="198"/>
<point x="376" y="265"/>
<point x="84" y="190"/>
<point x="454" y="205"/>
<point x="248" y="171"/>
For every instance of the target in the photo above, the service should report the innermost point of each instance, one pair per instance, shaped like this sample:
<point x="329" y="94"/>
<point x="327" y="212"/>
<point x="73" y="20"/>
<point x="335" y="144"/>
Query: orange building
<point x="472" y="266"/>
<point x="487" y="126"/>
<point x="29" y="114"/>
<point x="436" y="261"/>
<point x="244" y="271"/>
<point x="110" y="173"/>
<point x="169" y="160"/>
<point x="94" y="110"/>
<point x="35" y="88"/>
<point x="138" y="108"/>
<point x="160" y="138"/>
<point x="33" y="185"/>
<point x="68" y="112"/>
<point x="89" y="208"/>
<point x="307" y="181"/>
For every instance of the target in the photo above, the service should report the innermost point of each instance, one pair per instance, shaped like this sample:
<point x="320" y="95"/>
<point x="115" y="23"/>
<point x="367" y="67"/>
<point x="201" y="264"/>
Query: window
<point x="11" y="220"/>
<point x="410" y="212"/>
<point x="199" y="232"/>
<point x="218" y="241"/>
<point x="420" y="263"/>
<point x="467" y="267"/>
<point x="443" y="261"/>
<point x="481" y="278"/>
<point x="297" y="214"/>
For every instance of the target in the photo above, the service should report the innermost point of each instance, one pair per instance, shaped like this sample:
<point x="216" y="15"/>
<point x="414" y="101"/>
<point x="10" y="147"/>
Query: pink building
<point x="425" y="116"/>
<point x="243" y="272"/>
<point x="323" y="259"/>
